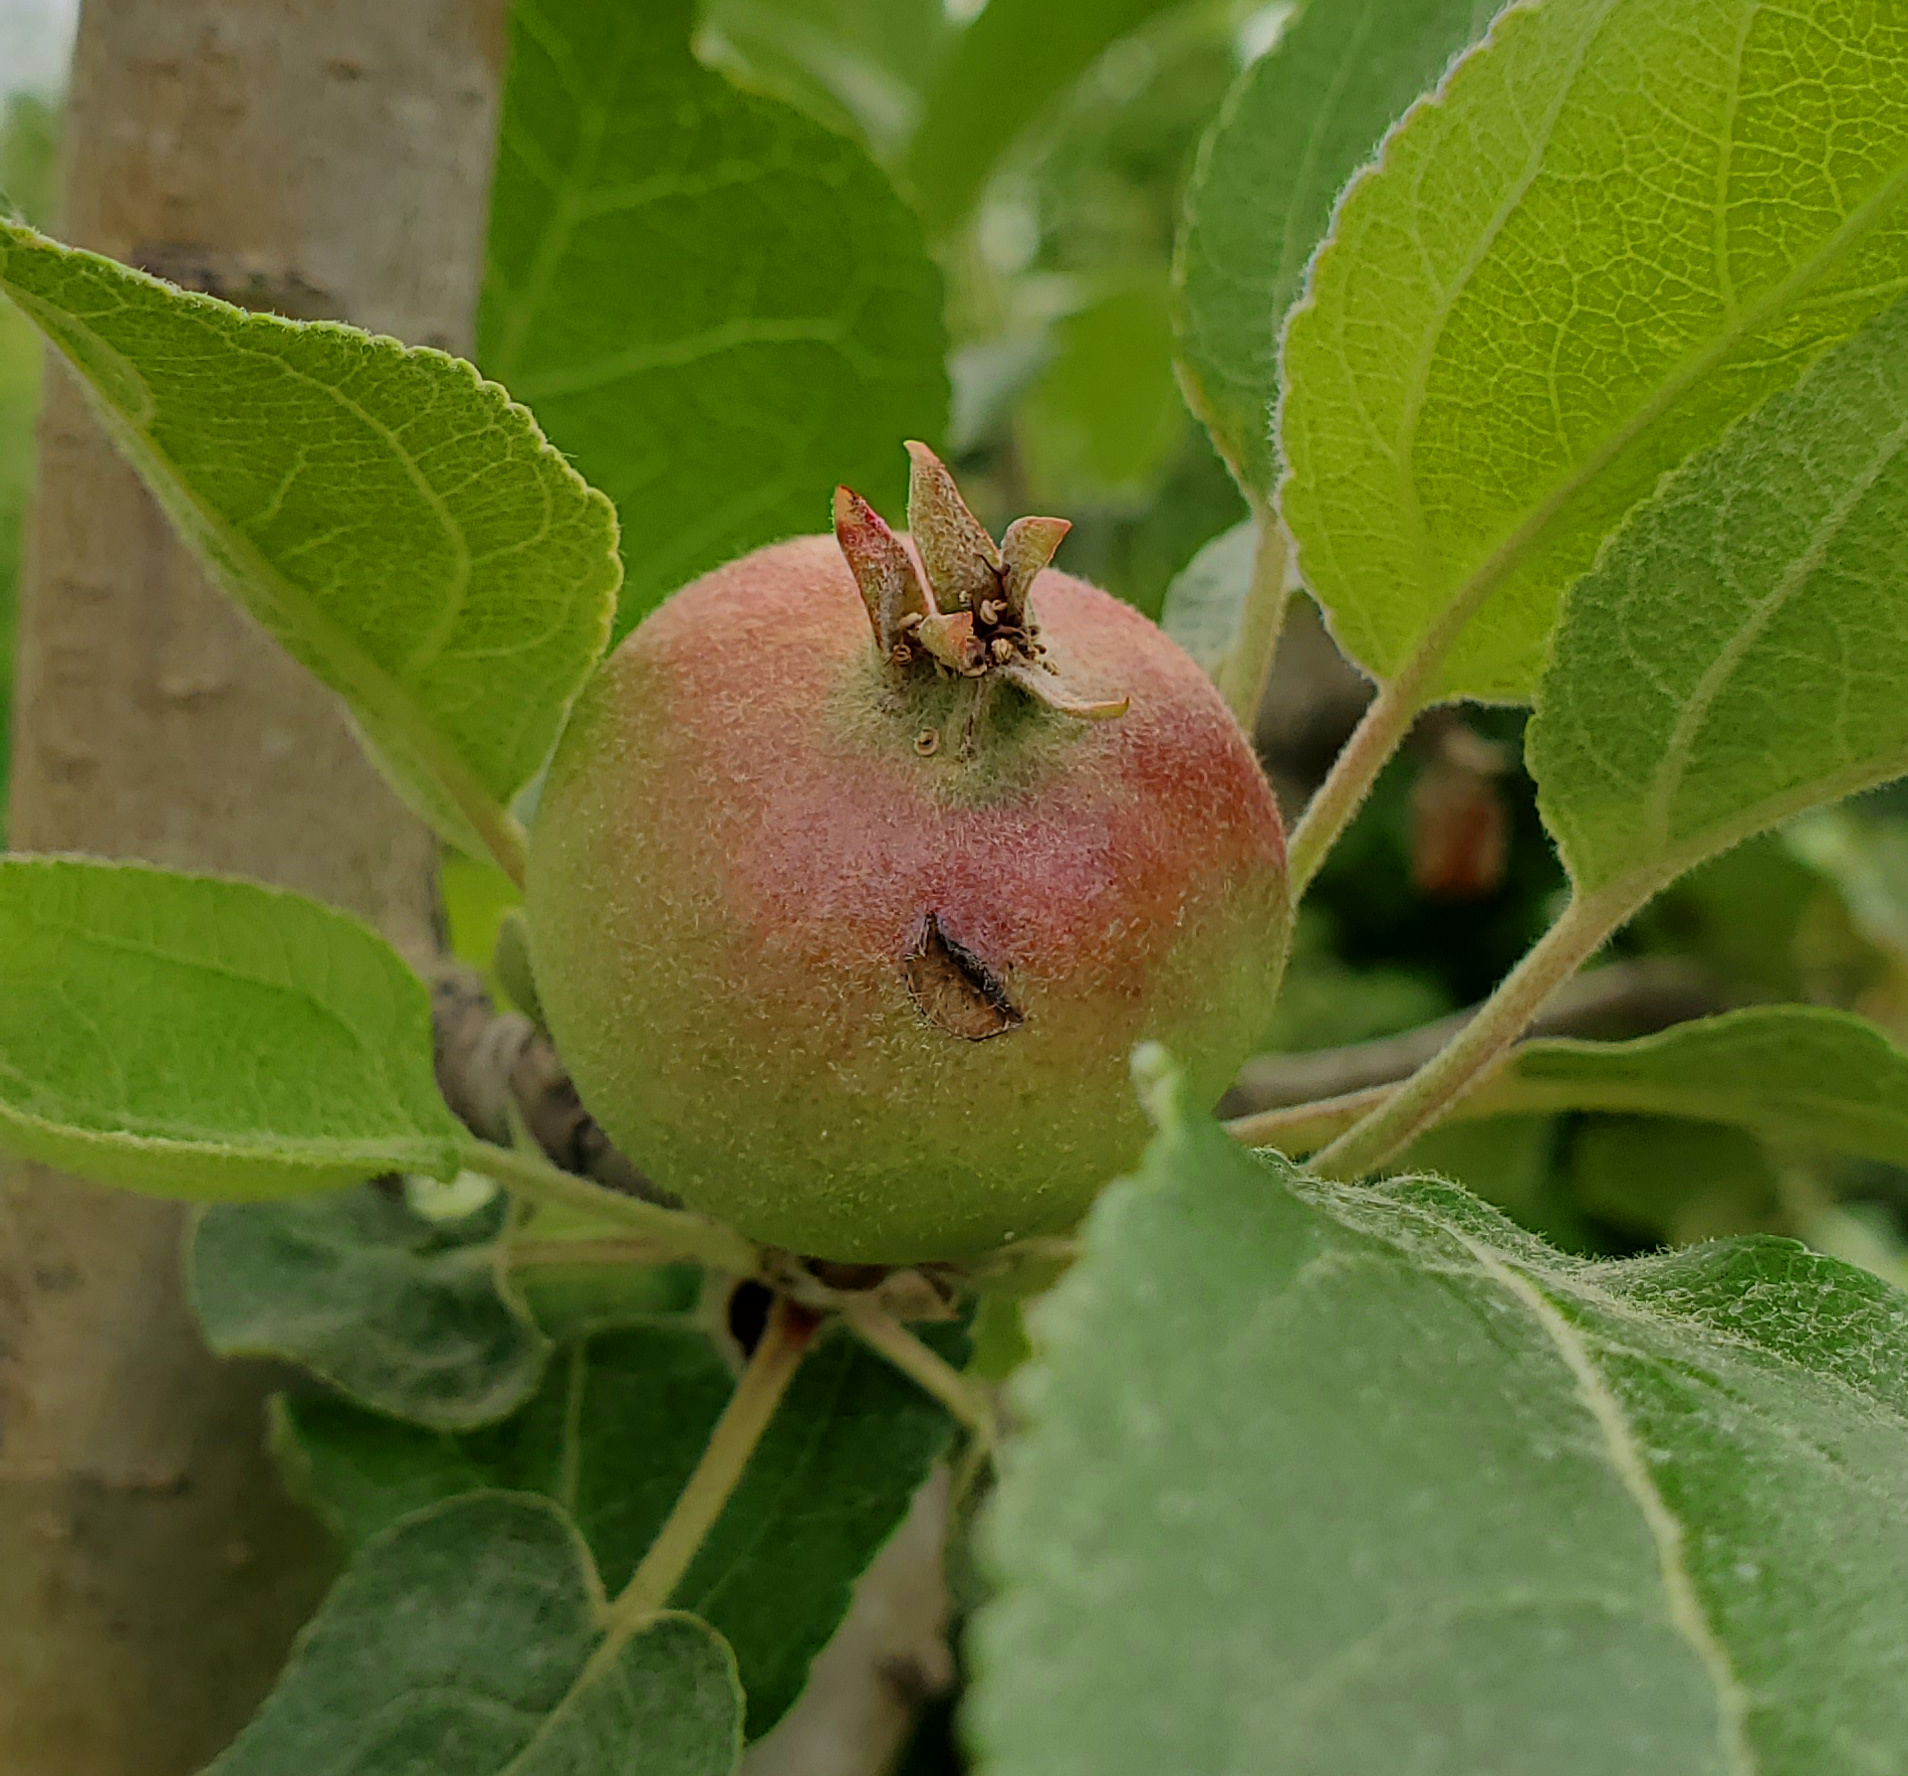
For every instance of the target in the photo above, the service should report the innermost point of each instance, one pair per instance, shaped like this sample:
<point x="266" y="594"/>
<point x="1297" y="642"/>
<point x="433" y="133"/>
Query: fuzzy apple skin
<point x="734" y="854"/>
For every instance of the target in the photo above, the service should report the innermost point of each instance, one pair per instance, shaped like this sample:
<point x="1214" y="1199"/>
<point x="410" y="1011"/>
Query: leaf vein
<point x="1665" y="1529"/>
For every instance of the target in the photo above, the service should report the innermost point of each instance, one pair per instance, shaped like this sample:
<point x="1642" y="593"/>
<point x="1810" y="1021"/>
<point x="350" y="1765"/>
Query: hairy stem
<point x="1246" y="668"/>
<point x="1636" y="997"/>
<point x="671" y="1232"/>
<point x="1469" y="1057"/>
<point x="926" y="1368"/>
<point x="785" y="1341"/>
<point x="1387" y="719"/>
<point x="1382" y="729"/>
<point x="1298" y="1129"/>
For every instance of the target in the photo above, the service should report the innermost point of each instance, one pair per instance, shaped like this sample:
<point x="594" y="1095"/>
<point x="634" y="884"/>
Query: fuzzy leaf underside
<point x="1294" y="128"/>
<point x="718" y="308"/>
<point x="401" y="1313"/>
<point x="1738" y="652"/>
<point x="613" y="1434"/>
<point x="204" y="1038"/>
<point x="1617" y="227"/>
<point x="398" y="524"/>
<point x="462" y="1641"/>
<point x="1316" y="1477"/>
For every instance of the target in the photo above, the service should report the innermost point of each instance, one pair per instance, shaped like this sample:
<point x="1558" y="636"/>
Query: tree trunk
<point x="324" y="158"/>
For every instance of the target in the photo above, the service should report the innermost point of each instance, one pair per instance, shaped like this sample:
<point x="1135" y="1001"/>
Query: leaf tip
<point x="1158" y="1081"/>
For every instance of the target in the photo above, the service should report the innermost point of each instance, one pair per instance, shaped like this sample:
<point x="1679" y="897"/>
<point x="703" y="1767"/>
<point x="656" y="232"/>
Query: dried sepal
<point x="890" y="586"/>
<point x="1026" y="548"/>
<point x="1047" y="685"/>
<point x="951" y="640"/>
<point x="963" y="566"/>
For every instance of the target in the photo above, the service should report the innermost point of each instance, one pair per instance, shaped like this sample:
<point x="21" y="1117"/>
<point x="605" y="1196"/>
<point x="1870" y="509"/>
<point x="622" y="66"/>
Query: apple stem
<point x="785" y="1341"/>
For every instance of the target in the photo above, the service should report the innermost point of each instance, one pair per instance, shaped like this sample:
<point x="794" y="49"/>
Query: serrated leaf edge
<point x="484" y="821"/>
<point x="1440" y="635"/>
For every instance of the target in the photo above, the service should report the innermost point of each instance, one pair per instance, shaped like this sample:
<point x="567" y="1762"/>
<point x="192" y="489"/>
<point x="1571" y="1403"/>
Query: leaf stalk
<point x="1243" y="674"/>
<point x="1380" y="731"/>
<point x="1470" y="1057"/>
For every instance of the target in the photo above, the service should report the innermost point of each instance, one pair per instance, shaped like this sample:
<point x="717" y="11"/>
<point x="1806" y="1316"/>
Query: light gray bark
<point x="888" y="1657"/>
<point x="321" y="157"/>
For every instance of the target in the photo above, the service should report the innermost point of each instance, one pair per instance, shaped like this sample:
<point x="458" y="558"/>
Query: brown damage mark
<point x="953" y="988"/>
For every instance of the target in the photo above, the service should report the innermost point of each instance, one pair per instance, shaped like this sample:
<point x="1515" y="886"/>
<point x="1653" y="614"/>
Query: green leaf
<point x="1662" y="1181"/>
<point x="1206" y="601"/>
<point x="1002" y="73"/>
<point x="469" y="1640"/>
<point x="1104" y="415"/>
<point x="402" y="1313"/>
<point x="1738" y="652"/>
<point x="203" y="1038"/>
<point x="1795" y="1073"/>
<point x="399" y="525"/>
<point x="1509" y="1161"/>
<point x="613" y="1435"/>
<point x="854" y="64"/>
<point x="1296" y="125"/>
<point x="1788" y="1072"/>
<point x="1347" y="1479"/>
<point x="718" y="308"/>
<point x="574" y="1300"/>
<point x="1617" y="227"/>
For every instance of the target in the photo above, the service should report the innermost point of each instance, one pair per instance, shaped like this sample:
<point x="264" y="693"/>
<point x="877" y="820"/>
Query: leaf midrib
<point x="1672" y="770"/>
<point x="1404" y="446"/>
<point x="1626" y="1460"/>
<point x="577" y="176"/>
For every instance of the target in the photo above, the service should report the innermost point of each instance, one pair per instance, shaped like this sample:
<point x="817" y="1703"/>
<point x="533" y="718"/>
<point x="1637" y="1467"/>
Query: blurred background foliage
<point x="1047" y="144"/>
<point x="29" y="138"/>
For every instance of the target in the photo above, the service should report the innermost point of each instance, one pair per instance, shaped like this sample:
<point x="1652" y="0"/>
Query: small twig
<point x="1298" y="1129"/>
<point x="493" y="1066"/>
<point x="672" y="1231"/>
<point x="927" y="1369"/>
<point x="784" y="1342"/>
<point x="1630" y="998"/>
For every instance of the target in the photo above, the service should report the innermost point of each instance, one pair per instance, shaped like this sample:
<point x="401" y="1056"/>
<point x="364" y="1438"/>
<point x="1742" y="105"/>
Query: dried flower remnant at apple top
<point x="972" y="616"/>
<point x="850" y="946"/>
